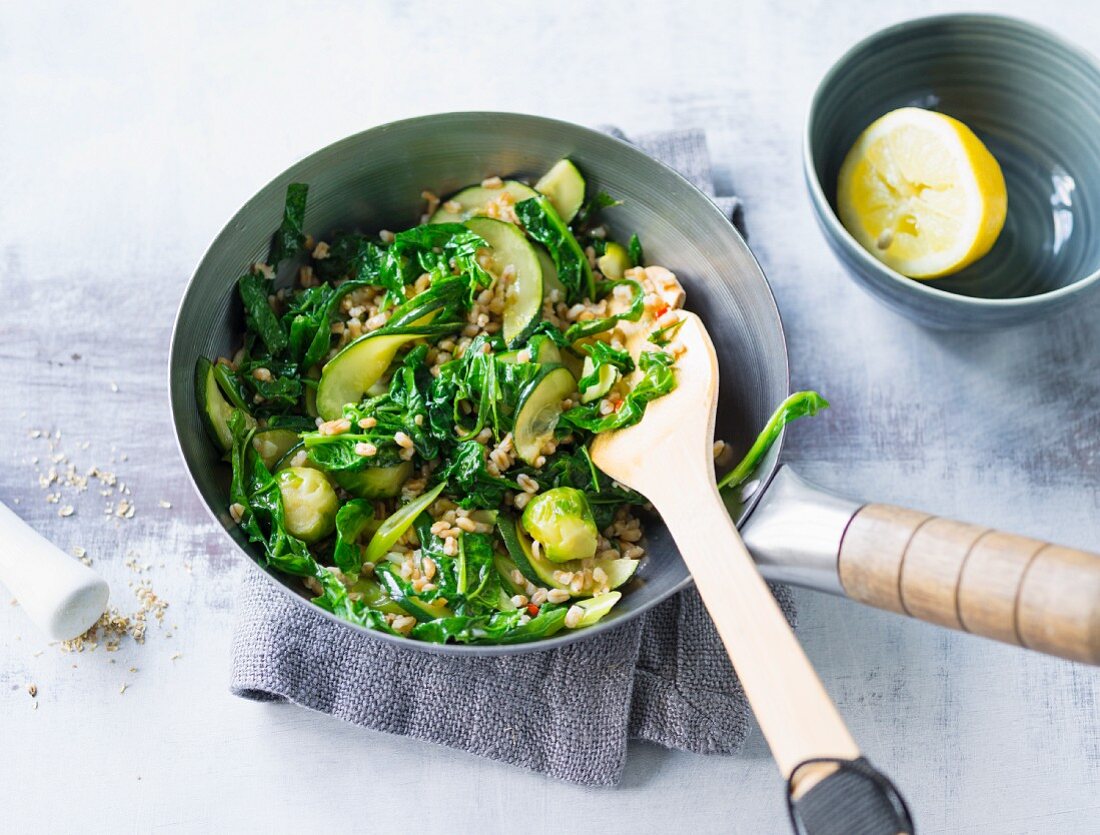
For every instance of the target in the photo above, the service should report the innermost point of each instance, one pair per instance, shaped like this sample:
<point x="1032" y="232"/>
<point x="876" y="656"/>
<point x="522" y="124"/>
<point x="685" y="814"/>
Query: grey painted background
<point x="131" y="132"/>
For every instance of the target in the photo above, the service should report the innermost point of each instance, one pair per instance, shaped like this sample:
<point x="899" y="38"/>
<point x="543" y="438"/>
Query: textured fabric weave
<point x="567" y="713"/>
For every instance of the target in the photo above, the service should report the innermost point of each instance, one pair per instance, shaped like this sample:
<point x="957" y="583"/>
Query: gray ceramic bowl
<point x="373" y="180"/>
<point x="1034" y="99"/>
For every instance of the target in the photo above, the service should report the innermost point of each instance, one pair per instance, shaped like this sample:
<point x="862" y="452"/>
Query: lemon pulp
<point x="921" y="193"/>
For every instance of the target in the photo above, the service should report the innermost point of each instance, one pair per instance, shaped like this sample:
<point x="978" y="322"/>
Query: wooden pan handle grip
<point x="1018" y="590"/>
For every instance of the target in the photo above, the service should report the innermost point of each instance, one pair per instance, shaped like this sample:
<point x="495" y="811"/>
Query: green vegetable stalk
<point x="800" y="404"/>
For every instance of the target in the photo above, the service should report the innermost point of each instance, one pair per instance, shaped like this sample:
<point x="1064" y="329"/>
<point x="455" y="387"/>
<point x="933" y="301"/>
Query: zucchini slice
<point x="227" y="381"/>
<point x="596" y="607"/>
<point x="398" y="522"/>
<point x="539" y="410"/>
<point x="395" y="588"/>
<point x="375" y="482"/>
<point x="523" y="302"/>
<point x="540" y="349"/>
<point x="474" y="199"/>
<point x="505" y="566"/>
<point x="540" y="570"/>
<point x="375" y="596"/>
<point x="543" y="349"/>
<point x="273" y="444"/>
<point x="564" y="185"/>
<point x="609" y="375"/>
<point x="614" y="262"/>
<point x="550" y="280"/>
<point x="349" y="374"/>
<point x="213" y="406"/>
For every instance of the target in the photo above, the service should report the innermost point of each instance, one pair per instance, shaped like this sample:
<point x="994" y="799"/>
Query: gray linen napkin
<point x="566" y="713"/>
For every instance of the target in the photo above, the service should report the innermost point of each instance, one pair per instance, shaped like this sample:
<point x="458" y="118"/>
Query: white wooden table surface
<point x="129" y="134"/>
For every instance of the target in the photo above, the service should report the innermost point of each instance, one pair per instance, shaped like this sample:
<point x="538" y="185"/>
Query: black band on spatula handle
<point x="856" y="799"/>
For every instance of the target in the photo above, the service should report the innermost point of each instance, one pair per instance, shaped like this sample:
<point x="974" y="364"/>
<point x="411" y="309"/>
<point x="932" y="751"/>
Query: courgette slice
<point x="539" y="409"/>
<point x="229" y="385"/>
<point x="608" y="376"/>
<point x="615" y="261"/>
<point x="540" y="570"/>
<point x="213" y="406"/>
<point x="564" y="185"/>
<point x="398" y="522"/>
<point x="288" y="458"/>
<point x="540" y="349"/>
<point x="311" y="391"/>
<point x="474" y="199"/>
<point x="401" y="594"/>
<point x="350" y="374"/>
<point x="550" y="280"/>
<point x="505" y="566"/>
<point x="375" y="596"/>
<point x="596" y="607"/>
<point x="374" y="482"/>
<point x="523" y="301"/>
<point x="273" y="444"/>
<point x="544" y="350"/>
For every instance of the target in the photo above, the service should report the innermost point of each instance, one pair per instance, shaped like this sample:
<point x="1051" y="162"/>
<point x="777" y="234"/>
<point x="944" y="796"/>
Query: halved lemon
<point x="921" y="193"/>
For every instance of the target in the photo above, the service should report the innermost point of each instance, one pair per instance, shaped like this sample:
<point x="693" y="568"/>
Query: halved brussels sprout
<point x="309" y="503"/>
<point x="561" y="521"/>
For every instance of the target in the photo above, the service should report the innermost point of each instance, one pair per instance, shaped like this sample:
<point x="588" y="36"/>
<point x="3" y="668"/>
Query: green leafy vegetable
<point x="322" y="501"/>
<point x="259" y="317"/>
<point x="289" y="239"/>
<point x="632" y="314"/>
<point x="800" y="404"/>
<point x="352" y="521"/>
<point x="469" y="473"/>
<point x="441" y="250"/>
<point x="602" y="354"/>
<point x="599" y="201"/>
<point x="255" y="492"/>
<point x="657" y="380"/>
<point x="635" y="250"/>
<point x="662" y="337"/>
<point x="542" y="222"/>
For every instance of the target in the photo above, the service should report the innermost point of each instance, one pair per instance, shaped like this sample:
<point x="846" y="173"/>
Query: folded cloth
<point x="568" y="713"/>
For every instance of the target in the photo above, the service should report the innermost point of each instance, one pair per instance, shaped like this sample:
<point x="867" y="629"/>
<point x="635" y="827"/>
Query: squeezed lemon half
<point x="921" y="193"/>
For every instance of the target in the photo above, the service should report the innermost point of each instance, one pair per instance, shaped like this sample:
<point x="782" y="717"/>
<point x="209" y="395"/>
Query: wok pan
<point x="967" y="577"/>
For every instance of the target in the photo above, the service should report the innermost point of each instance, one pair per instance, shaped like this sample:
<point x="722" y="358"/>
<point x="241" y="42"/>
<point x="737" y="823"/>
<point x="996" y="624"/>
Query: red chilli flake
<point x="532" y="609"/>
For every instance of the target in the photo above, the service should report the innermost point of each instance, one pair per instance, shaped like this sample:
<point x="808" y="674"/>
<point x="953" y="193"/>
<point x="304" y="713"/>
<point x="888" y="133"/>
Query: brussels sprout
<point x="309" y="503"/>
<point x="561" y="521"/>
<point x="375" y="482"/>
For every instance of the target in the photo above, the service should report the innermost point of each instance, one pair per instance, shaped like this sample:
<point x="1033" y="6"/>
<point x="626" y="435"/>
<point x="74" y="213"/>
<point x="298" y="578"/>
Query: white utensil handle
<point x="60" y="594"/>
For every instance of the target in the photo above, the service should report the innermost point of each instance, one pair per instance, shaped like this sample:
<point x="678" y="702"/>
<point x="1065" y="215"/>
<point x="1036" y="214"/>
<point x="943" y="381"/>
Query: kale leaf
<point x="259" y="318"/>
<point x="288" y="241"/>
<point x="473" y="486"/>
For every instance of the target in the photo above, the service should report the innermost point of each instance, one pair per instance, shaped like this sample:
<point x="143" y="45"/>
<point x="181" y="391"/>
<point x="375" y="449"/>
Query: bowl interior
<point x="1033" y="99"/>
<point x="373" y="180"/>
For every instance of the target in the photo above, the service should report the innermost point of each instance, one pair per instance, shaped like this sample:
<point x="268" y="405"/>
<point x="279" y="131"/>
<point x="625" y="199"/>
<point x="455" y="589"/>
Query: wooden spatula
<point x="668" y="457"/>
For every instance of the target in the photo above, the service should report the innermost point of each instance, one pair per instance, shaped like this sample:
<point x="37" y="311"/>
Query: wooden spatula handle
<point x="1018" y="590"/>
<point x="795" y="712"/>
